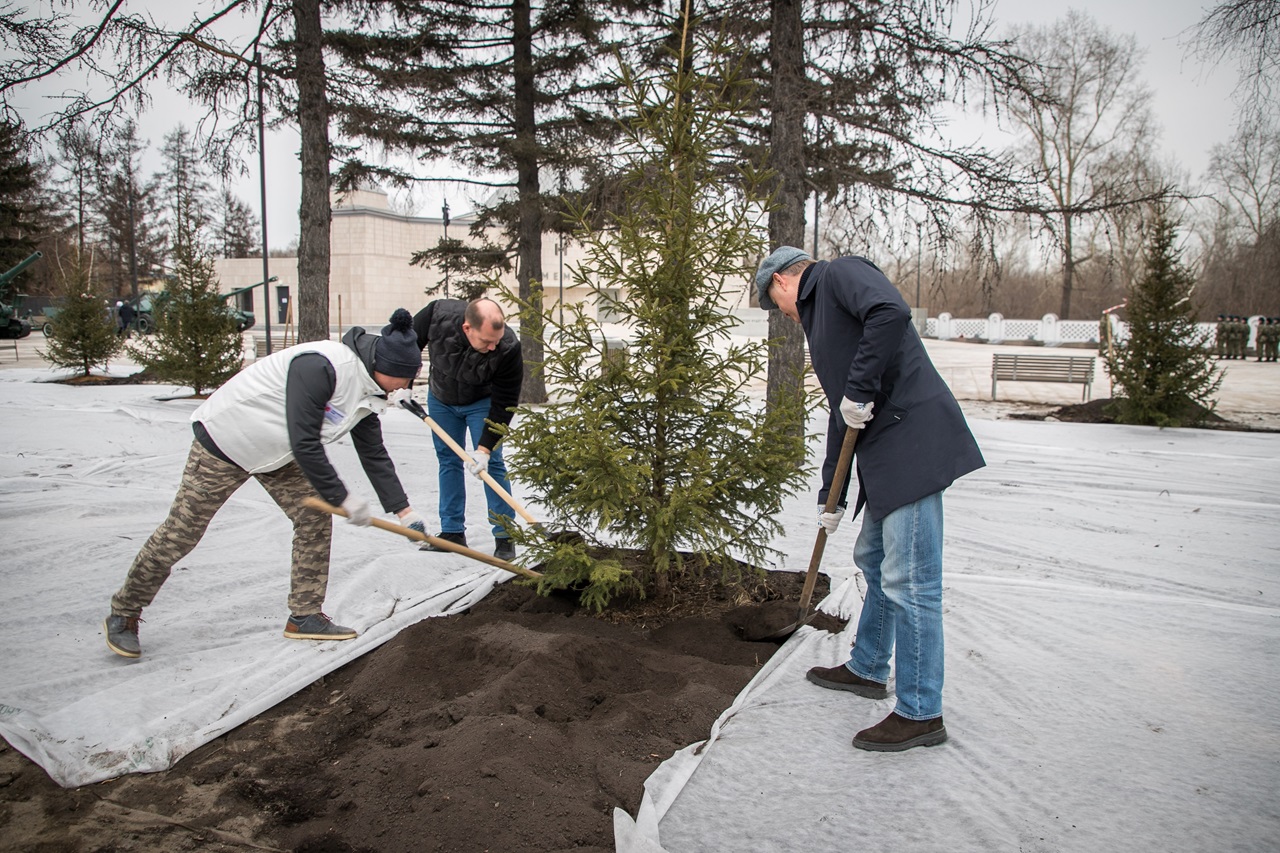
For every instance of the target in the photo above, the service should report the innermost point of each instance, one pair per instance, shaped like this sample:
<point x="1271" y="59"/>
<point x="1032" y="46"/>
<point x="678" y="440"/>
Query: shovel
<point x="416" y="409"/>
<point x="443" y="544"/>
<point x="810" y="579"/>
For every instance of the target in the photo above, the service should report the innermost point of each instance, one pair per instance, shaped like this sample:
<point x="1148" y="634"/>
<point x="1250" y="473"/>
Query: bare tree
<point x="1246" y="176"/>
<point x="1088" y="127"/>
<point x="1250" y="31"/>
<point x="237" y="228"/>
<point x="126" y="214"/>
<point x="127" y="53"/>
<point x="183" y="189"/>
<point x="1241" y="266"/>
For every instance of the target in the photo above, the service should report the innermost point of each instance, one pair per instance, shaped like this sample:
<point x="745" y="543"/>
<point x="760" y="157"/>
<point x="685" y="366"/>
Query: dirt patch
<point x="1097" y="412"/>
<point x="517" y="726"/>
<point x="96" y="379"/>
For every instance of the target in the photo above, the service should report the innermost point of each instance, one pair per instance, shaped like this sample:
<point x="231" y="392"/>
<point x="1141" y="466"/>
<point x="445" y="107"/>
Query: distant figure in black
<point x="125" y="314"/>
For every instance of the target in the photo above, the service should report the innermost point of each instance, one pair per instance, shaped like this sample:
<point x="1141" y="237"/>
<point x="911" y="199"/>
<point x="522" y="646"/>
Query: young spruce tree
<point x="84" y="332"/>
<point x="658" y="449"/>
<point x="1164" y="374"/>
<point x="196" y="342"/>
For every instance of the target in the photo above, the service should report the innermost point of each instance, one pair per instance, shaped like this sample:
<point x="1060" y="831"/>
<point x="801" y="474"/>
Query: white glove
<point x="856" y="415"/>
<point x="829" y="521"/>
<point x="413" y="521"/>
<point x="478" y="465"/>
<point x="394" y="398"/>
<point x="358" y="512"/>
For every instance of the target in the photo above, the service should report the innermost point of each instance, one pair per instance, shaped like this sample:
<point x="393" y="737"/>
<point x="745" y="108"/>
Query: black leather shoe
<point x="840" y="678"/>
<point x="504" y="549"/>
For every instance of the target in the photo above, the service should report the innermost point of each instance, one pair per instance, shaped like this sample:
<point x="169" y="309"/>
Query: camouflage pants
<point x="207" y="482"/>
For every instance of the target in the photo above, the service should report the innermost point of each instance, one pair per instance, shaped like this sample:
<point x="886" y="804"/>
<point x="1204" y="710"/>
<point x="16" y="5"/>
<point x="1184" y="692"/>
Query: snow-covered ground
<point x="1111" y="604"/>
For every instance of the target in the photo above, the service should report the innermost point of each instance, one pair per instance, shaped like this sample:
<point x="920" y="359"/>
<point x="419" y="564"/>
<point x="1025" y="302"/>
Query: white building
<point x="370" y="275"/>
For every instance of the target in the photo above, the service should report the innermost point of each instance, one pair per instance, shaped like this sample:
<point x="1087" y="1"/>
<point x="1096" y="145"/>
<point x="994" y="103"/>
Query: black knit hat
<point x="397" y="352"/>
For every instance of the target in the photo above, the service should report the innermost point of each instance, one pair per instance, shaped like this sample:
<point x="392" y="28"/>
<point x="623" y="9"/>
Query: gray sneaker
<point x="122" y="635"/>
<point x="317" y="626"/>
<point x="504" y="549"/>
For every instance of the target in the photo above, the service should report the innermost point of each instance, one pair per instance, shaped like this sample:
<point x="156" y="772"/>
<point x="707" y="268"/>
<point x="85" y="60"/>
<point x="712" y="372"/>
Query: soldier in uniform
<point x="1220" y="336"/>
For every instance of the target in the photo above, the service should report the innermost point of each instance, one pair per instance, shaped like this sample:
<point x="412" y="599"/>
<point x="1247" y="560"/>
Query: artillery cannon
<point x="148" y="305"/>
<point x="11" y="325"/>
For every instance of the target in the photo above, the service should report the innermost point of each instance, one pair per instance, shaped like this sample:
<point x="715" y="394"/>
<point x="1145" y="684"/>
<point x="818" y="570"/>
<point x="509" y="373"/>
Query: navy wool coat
<point x="863" y="346"/>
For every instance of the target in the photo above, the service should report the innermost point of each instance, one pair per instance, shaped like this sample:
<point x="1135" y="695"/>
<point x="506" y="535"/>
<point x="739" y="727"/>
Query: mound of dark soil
<point x="1097" y="412"/>
<point x="142" y="377"/>
<point x="517" y="726"/>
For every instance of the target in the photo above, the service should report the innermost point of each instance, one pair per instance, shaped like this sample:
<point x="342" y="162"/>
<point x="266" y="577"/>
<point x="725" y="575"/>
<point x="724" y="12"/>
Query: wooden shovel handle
<point x="843" y="464"/>
<point x="484" y="475"/>
<point x="410" y="533"/>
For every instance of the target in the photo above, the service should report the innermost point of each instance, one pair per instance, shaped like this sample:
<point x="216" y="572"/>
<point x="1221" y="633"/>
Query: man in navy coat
<point x="915" y="442"/>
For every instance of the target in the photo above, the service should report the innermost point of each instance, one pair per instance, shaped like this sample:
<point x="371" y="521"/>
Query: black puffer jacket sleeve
<point x="506" y="385"/>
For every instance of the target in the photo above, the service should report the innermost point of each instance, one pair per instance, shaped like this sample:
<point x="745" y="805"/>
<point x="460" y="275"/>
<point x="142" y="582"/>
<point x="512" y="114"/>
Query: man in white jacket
<point x="271" y="422"/>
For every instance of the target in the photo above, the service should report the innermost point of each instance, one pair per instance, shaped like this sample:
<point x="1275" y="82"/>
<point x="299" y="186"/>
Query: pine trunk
<point x="1068" y="268"/>
<point x="529" y="239"/>
<point x="312" y="315"/>
<point x="786" y="220"/>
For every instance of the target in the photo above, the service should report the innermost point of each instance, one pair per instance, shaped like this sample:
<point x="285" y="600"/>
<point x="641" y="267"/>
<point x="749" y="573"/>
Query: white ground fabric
<point x="1112" y="622"/>
<point x="85" y="477"/>
<point x="1112" y="613"/>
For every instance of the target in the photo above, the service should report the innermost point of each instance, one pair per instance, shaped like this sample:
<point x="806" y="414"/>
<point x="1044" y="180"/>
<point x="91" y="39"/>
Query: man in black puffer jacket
<point x="476" y="372"/>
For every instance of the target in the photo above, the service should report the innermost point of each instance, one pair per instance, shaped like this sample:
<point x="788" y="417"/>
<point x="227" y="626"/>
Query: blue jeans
<point x="901" y="558"/>
<point x="457" y="421"/>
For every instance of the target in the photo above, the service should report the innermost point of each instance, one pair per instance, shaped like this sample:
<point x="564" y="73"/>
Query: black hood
<point x="362" y="344"/>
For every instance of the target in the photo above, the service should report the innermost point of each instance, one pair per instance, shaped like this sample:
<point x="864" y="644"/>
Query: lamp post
<point x="815" y="224"/>
<point x="919" y="260"/>
<point x="262" y="181"/>
<point x="560" y="252"/>
<point x="445" y="212"/>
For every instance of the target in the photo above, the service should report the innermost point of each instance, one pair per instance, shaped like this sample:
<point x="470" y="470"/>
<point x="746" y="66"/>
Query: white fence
<point x="1048" y="331"/>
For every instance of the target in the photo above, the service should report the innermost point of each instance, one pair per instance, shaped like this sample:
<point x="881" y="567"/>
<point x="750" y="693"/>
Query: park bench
<point x="1043" y="368"/>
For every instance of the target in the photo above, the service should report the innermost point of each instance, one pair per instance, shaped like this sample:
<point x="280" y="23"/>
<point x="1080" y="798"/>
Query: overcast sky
<point x="1192" y="103"/>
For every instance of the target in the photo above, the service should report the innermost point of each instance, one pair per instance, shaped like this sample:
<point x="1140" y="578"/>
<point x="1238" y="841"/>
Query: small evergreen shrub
<point x="195" y="341"/>
<point x="84" y="332"/>
<point x="657" y="446"/>
<point x="1164" y="374"/>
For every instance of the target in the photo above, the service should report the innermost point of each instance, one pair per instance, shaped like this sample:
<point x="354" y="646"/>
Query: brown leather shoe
<point x="895" y="733"/>
<point x="840" y="678"/>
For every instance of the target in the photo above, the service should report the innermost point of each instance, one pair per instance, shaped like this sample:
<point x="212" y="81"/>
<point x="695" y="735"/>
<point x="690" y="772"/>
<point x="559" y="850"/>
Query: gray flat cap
<point x="781" y="258"/>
